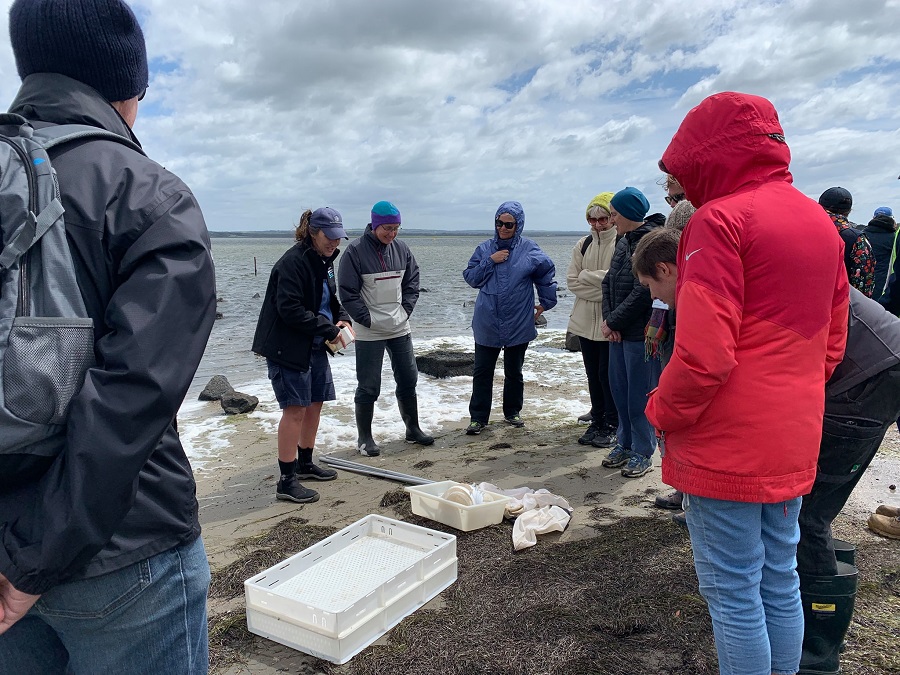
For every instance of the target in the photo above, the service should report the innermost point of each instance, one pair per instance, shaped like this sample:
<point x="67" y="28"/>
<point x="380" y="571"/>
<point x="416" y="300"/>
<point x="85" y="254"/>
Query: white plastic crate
<point x="339" y="595"/>
<point x="426" y="500"/>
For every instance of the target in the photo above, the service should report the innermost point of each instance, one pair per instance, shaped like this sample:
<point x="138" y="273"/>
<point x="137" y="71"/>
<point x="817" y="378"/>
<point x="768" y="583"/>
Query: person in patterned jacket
<point x="858" y="255"/>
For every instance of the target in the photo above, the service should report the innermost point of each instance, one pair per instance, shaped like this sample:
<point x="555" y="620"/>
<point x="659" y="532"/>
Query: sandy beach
<point x="236" y="491"/>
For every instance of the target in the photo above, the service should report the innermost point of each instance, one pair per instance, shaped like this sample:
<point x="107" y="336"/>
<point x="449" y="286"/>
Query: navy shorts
<point x="293" y="387"/>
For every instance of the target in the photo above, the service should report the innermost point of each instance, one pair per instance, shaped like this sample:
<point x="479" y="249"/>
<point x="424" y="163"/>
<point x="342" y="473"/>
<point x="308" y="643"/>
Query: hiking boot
<point x="670" y="501"/>
<point x="637" y="466"/>
<point x="290" y="490"/>
<point x="475" y="427"/>
<point x="590" y="433"/>
<point x="587" y="418"/>
<point x="617" y="457"/>
<point x="307" y="470"/>
<point x="680" y="519"/>
<point x="885" y="510"/>
<point x="515" y="421"/>
<point x="606" y="437"/>
<point x="886" y="526"/>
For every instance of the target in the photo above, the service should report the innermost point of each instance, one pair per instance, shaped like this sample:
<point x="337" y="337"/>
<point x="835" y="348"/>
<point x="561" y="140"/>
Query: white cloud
<point x="267" y="107"/>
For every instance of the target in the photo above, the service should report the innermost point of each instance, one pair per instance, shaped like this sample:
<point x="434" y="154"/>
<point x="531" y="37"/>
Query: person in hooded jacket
<point x="590" y="262"/>
<point x="881" y="232"/>
<point x="102" y="567"/>
<point x="626" y="311"/>
<point x="379" y="287"/>
<point x="506" y="270"/>
<point x="299" y="314"/>
<point x="739" y="407"/>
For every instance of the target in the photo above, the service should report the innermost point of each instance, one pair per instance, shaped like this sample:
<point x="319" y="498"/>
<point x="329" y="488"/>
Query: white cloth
<point x="536" y="512"/>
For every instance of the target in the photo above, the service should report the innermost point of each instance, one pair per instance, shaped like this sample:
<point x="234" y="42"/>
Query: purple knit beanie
<point x="384" y="213"/>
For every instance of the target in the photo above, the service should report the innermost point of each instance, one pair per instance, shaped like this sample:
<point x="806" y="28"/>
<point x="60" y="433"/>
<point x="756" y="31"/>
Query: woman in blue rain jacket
<point x="506" y="269"/>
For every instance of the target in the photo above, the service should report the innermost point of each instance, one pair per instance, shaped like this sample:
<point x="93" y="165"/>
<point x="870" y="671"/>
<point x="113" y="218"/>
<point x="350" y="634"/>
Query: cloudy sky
<point x="267" y="107"/>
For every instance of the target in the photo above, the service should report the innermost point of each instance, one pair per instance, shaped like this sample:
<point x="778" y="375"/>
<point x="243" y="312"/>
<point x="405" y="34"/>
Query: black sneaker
<point x="475" y="427"/>
<point x="515" y="421"/>
<point x="590" y="433"/>
<point x="313" y="472"/>
<point x="290" y="490"/>
<point x="604" y="438"/>
<point x="670" y="501"/>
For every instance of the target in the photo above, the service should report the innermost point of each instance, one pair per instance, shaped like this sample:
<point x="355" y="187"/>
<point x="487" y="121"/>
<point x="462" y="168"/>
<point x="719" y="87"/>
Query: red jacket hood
<point x="725" y="145"/>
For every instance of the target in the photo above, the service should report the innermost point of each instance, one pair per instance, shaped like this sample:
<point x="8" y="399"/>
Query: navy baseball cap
<point x="884" y="211"/>
<point x="329" y="221"/>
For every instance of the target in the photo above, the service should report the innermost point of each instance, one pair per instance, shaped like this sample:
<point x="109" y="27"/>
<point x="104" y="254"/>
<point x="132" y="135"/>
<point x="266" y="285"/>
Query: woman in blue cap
<point x="506" y="269"/>
<point x="300" y="313"/>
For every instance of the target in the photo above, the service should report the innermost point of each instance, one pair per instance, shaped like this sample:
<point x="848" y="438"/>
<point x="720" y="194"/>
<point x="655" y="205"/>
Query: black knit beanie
<point x="98" y="42"/>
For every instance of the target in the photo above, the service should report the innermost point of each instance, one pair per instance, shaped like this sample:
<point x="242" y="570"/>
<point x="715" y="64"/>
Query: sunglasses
<point x="600" y="221"/>
<point x="502" y="223"/>
<point x="672" y="200"/>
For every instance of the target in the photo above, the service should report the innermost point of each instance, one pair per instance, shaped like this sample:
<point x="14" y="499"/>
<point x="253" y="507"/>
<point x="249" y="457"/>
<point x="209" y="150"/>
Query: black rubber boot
<point x="844" y="551"/>
<point x="409" y="413"/>
<point x="365" y="443"/>
<point x="827" y="611"/>
<point x="306" y="470"/>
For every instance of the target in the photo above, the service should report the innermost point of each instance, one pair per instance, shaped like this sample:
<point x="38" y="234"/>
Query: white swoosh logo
<point x="688" y="256"/>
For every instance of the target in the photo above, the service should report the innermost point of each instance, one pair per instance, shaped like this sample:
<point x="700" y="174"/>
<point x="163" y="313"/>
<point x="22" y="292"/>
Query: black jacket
<point x="880" y="232"/>
<point x="289" y="318"/>
<point x="122" y="490"/>
<point x="627" y="304"/>
<point x="873" y="346"/>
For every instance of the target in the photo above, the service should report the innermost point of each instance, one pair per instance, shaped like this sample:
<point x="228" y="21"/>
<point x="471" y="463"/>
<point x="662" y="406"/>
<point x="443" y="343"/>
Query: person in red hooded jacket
<point x="762" y="299"/>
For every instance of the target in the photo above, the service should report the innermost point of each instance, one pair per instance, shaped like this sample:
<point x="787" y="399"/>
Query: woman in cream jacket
<point x="590" y="262"/>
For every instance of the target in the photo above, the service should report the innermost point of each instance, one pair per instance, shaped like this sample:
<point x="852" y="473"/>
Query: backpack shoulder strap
<point x="586" y="244"/>
<point x="54" y="136"/>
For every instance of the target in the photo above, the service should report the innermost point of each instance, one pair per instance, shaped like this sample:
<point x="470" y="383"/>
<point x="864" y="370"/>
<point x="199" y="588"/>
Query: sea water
<point x="555" y="383"/>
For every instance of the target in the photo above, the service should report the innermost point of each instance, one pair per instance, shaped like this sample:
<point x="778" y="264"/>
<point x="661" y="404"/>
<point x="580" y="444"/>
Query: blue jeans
<point x="149" y="617"/>
<point x="629" y="380"/>
<point x="369" y="357"/>
<point x="745" y="557"/>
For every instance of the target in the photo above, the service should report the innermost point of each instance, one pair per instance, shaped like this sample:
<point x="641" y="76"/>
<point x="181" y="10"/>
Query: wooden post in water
<point x="254" y="265"/>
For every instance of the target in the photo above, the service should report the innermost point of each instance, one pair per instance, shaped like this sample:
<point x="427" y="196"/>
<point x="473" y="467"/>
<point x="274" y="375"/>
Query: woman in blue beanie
<point x="506" y="269"/>
<point x="626" y="311"/>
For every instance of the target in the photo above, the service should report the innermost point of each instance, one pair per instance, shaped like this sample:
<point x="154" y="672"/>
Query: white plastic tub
<point x="338" y="596"/>
<point x="426" y="501"/>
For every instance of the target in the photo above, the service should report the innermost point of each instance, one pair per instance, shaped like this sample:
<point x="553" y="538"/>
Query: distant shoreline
<point x="287" y="234"/>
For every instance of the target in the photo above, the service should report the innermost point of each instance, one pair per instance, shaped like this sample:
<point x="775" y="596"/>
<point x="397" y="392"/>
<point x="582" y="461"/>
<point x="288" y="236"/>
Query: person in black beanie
<point x="102" y="568"/>
<point x="858" y="256"/>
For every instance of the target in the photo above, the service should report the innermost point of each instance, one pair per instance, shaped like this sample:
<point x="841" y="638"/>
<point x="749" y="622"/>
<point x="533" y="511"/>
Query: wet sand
<point x="236" y="491"/>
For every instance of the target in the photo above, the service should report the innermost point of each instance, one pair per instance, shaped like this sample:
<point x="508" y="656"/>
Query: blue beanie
<point x="384" y="213"/>
<point x="631" y="204"/>
<point x="97" y="42"/>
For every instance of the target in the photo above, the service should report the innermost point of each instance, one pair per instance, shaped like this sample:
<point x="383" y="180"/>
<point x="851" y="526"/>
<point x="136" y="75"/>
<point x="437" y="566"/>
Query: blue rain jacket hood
<point x="504" y="309"/>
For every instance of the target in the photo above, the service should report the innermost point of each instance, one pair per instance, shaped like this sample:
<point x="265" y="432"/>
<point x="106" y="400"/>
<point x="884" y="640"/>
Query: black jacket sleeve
<point x="350" y="287"/>
<point x="410" y="286"/>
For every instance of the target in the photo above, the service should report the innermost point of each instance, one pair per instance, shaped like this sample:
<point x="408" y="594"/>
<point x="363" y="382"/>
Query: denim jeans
<point x="370" y="356"/>
<point x="629" y="379"/>
<point x="595" y="354"/>
<point x="483" y="381"/>
<point x="149" y="617"/>
<point x="745" y="557"/>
